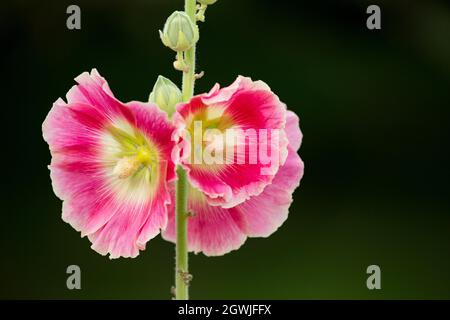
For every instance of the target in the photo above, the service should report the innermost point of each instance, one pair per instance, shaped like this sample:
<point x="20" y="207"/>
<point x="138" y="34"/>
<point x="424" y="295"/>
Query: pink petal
<point x="216" y="231"/>
<point x="293" y="131"/>
<point x="265" y="213"/>
<point x="92" y="89"/>
<point x="131" y="226"/>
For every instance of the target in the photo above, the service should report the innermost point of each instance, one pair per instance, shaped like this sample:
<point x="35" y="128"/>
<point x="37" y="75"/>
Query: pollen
<point x="126" y="167"/>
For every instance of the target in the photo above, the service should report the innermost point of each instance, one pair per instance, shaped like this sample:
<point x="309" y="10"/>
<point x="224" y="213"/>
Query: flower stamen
<point x="126" y="167"/>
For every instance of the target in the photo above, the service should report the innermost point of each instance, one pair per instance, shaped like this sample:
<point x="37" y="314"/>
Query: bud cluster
<point x="180" y="33"/>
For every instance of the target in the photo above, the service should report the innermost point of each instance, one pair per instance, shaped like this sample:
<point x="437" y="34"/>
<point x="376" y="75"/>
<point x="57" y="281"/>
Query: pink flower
<point x="244" y="107"/>
<point x="230" y="202"/>
<point x="111" y="163"/>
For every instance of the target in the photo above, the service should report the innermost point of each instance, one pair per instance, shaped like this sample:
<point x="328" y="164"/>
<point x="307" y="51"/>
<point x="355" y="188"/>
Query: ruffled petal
<point x="294" y="134"/>
<point x="256" y="119"/>
<point x="216" y="231"/>
<point x="264" y="214"/>
<point x="88" y="138"/>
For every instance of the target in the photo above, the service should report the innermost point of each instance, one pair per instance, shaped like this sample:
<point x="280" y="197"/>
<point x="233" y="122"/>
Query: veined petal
<point x="250" y="120"/>
<point x="265" y="213"/>
<point x="111" y="163"/>
<point x="215" y="231"/>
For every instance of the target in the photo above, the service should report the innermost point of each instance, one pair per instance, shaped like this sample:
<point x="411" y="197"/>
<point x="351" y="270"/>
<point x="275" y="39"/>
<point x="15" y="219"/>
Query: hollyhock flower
<point x="242" y="108"/>
<point x="215" y="228"/>
<point x="110" y="165"/>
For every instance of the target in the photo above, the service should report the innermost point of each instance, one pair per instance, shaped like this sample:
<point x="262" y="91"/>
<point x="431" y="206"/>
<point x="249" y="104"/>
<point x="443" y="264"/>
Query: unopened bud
<point x="166" y="95"/>
<point x="179" y="32"/>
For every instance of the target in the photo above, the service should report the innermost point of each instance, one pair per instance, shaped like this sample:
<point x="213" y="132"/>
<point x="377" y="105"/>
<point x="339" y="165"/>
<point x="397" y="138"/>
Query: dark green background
<point x="374" y="109"/>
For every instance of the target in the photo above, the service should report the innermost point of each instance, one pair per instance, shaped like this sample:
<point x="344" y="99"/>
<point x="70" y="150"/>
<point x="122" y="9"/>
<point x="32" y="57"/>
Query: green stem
<point x="188" y="77"/>
<point x="181" y="272"/>
<point x="181" y="269"/>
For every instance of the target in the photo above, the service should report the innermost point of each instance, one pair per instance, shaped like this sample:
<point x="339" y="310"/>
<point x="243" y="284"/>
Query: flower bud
<point x="179" y="32"/>
<point x="207" y="2"/>
<point x="166" y="95"/>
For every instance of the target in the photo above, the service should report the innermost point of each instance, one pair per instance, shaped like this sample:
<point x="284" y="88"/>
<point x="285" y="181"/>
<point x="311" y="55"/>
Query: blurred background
<point x="374" y="109"/>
